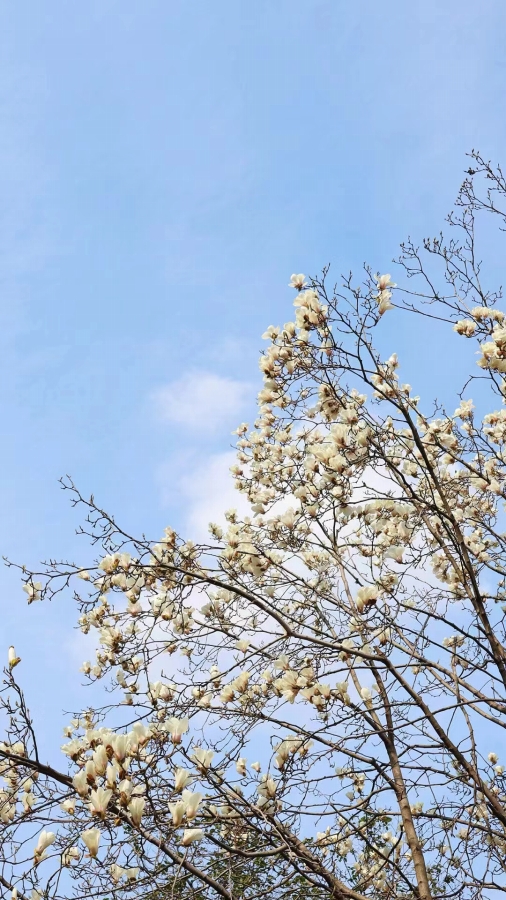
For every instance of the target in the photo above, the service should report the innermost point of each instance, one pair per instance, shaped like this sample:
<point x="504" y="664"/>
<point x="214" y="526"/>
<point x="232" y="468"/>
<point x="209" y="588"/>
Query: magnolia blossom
<point x="46" y="838"/>
<point x="267" y="787"/>
<point x="91" y="837"/>
<point x="465" y="409"/>
<point x="99" y="801"/>
<point x="160" y="691"/>
<point x="132" y="873"/>
<point x="119" y="743"/>
<point x="298" y="282"/>
<point x="202" y="757"/>
<point x="100" y="760"/>
<point x="241" y="766"/>
<point x="383" y="282"/>
<point x="80" y="782"/>
<point x="395" y="552"/>
<point x="91" y="772"/>
<point x="176" y="728"/>
<point x="28" y="801"/>
<point x="136" y="809"/>
<point x="33" y="590"/>
<point x="191" y="802"/>
<point x="367" y="596"/>
<point x="190" y="835"/>
<point x="177" y="811"/>
<point x="465" y="327"/>
<point x="111" y="775"/>
<point x="125" y="789"/>
<point x="384" y="303"/>
<point x="13" y="659"/>
<point x="117" y="873"/>
<point x="181" y="779"/>
<point x="69" y="856"/>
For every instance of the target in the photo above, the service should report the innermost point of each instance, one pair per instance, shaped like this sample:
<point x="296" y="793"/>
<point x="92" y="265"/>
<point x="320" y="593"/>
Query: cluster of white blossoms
<point x="288" y="747"/>
<point x="16" y="789"/>
<point x="105" y="783"/>
<point x="347" y="633"/>
<point x="384" y="283"/>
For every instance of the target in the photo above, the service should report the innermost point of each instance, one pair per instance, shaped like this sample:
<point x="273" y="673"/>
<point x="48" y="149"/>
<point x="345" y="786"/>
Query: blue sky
<point x="164" y="167"/>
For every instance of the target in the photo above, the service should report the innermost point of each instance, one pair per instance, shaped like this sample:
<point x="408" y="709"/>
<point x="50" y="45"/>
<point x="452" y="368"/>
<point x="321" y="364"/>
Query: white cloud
<point x="203" y="490"/>
<point x="202" y="400"/>
<point x="209" y="490"/>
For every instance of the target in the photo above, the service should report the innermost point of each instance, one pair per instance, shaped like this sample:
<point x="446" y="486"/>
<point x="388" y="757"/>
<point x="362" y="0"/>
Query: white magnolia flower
<point x="395" y="553"/>
<point x="191" y="802"/>
<point x="176" y="728"/>
<point x="202" y="757"/>
<point x="100" y="760"/>
<point x="28" y="801"/>
<point x="91" y="838"/>
<point x="136" y="809"/>
<point x="99" y="801"/>
<point x="125" y="789"/>
<point x="267" y="787"/>
<point x="465" y="327"/>
<point x="69" y="856"/>
<point x="18" y="748"/>
<point x="160" y="691"/>
<point x="119" y="744"/>
<point x="383" y="299"/>
<point x="190" y="835"/>
<point x="181" y="779"/>
<point x="298" y="282"/>
<point x="109" y="563"/>
<point x="117" y="873"/>
<point x="465" y="410"/>
<point x="177" y="811"/>
<point x="13" y="659"/>
<point x="69" y="805"/>
<point x="46" y="838"/>
<point x="241" y="765"/>
<point x="142" y="733"/>
<point x="383" y="282"/>
<point x="33" y="590"/>
<point x="367" y="596"/>
<point x="80" y="782"/>
<point x="111" y="775"/>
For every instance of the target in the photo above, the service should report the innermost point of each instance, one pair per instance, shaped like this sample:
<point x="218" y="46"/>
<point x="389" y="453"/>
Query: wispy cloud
<point x="203" y="488"/>
<point x="202" y="401"/>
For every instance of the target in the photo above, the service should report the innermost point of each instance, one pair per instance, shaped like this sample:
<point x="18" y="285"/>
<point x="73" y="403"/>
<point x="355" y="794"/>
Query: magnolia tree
<point x="313" y="702"/>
